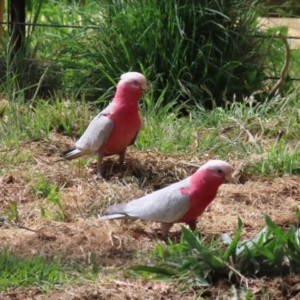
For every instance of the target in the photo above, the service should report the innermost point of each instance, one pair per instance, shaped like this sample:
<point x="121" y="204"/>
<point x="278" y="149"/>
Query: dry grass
<point x="115" y="243"/>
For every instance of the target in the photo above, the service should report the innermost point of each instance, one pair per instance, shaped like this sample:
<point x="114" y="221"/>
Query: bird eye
<point x="135" y="82"/>
<point x="219" y="171"/>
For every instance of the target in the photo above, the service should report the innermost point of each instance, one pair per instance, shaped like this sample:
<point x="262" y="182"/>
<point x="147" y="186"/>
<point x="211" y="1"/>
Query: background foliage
<point x="196" y="51"/>
<point x="203" y="52"/>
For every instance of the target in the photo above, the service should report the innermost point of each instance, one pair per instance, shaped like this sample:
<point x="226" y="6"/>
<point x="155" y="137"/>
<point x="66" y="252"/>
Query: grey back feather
<point x="165" y="205"/>
<point x="97" y="132"/>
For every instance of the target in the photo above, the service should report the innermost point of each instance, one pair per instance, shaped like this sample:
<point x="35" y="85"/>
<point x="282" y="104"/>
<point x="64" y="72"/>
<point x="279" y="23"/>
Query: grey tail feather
<point x="115" y="211"/>
<point x="114" y="216"/>
<point x="72" y="154"/>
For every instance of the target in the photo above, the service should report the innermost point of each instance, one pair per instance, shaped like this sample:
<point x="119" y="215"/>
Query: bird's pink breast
<point x="202" y="192"/>
<point x="126" y="124"/>
<point x="197" y="206"/>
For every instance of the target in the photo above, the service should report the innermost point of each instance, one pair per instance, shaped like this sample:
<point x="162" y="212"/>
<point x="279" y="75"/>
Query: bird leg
<point x="192" y="224"/>
<point x="165" y="227"/>
<point x="122" y="158"/>
<point x="100" y="156"/>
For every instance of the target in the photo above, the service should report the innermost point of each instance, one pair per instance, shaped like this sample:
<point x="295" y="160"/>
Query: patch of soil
<point x="106" y="289"/>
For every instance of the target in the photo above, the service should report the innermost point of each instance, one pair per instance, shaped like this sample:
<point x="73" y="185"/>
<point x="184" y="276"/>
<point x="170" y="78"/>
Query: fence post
<point x="1" y="18"/>
<point x="17" y="31"/>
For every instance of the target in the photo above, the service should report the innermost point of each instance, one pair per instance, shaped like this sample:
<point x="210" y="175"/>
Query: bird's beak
<point x="144" y="87"/>
<point x="228" y="178"/>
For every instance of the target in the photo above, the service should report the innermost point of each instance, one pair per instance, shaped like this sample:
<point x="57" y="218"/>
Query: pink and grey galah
<point x="183" y="201"/>
<point x="117" y="126"/>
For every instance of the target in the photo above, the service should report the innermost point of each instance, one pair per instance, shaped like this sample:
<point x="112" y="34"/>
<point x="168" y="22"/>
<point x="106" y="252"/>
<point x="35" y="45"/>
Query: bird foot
<point x="99" y="176"/>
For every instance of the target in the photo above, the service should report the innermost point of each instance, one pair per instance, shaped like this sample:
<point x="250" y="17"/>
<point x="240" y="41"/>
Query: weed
<point x="271" y="252"/>
<point x="12" y="212"/>
<point x="54" y="197"/>
<point x="43" y="189"/>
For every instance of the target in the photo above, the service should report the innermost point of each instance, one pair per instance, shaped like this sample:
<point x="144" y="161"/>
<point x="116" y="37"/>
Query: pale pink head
<point x="131" y="87"/>
<point x="216" y="171"/>
<point x="204" y="187"/>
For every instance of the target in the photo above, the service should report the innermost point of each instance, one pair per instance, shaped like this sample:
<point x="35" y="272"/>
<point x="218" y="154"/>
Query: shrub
<point x="198" y="50"/>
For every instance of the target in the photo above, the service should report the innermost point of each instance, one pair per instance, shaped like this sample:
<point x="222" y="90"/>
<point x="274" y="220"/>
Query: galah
<point x="183" y="201"/>
<point x="117" y="126"/>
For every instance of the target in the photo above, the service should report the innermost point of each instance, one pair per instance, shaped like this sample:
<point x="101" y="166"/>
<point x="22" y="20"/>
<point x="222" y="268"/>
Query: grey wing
<point x="97" y="132"/>
<point x="165" y="205"/>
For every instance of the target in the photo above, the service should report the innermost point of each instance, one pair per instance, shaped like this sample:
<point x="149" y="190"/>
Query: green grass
<point x="28" y="122"/>
<point x="269" y="132"/>
<point x="39" y="272"/>
<point x="279" y="160"/>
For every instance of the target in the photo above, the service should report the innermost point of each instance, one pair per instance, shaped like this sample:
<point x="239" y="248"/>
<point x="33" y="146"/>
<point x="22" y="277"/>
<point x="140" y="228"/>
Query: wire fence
<point x="98" y="27"/>
<point x="263" y="36"/>
<point x="53" y="25"/>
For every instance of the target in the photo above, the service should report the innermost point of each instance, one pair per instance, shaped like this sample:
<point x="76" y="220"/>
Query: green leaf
<point x="265" y="252"/>
<point x="188" y="263"/>
<point x="154" y="270"/>
<point x="231" y="250"/>
<point x="277" y="231"/>
<point x="191" y="239"/>
<point x="294" y="259"/>
<point x="12" y="212"/>
<point x="279" y="258"/>
<point x="212" y="261"/>
<point x="160" y="251"/>
<point x="297" y="210"/>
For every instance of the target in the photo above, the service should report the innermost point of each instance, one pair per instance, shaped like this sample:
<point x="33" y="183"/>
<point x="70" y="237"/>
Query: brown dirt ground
<point x="115" y="242"/>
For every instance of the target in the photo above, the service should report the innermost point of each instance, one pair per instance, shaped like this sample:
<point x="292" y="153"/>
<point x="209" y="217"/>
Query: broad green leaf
<point x="279" y="258"/>
<point x="188" y="263"/>
<point x="231" y="250"/>
<point x="213" y="261"/>
<point x="265" y="252"/>
<point x="277" y="231"/>
<point x="250" y="242"/>
<point x="293" y="257"/>
<point x="191" y="239"/>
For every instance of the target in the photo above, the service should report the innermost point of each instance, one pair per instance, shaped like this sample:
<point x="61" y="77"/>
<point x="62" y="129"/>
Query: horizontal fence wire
<point x="267" y="36"/>
<point x="98" y="27"/>
<point x="51" y="25"/>
<point x="277" y="78"/>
